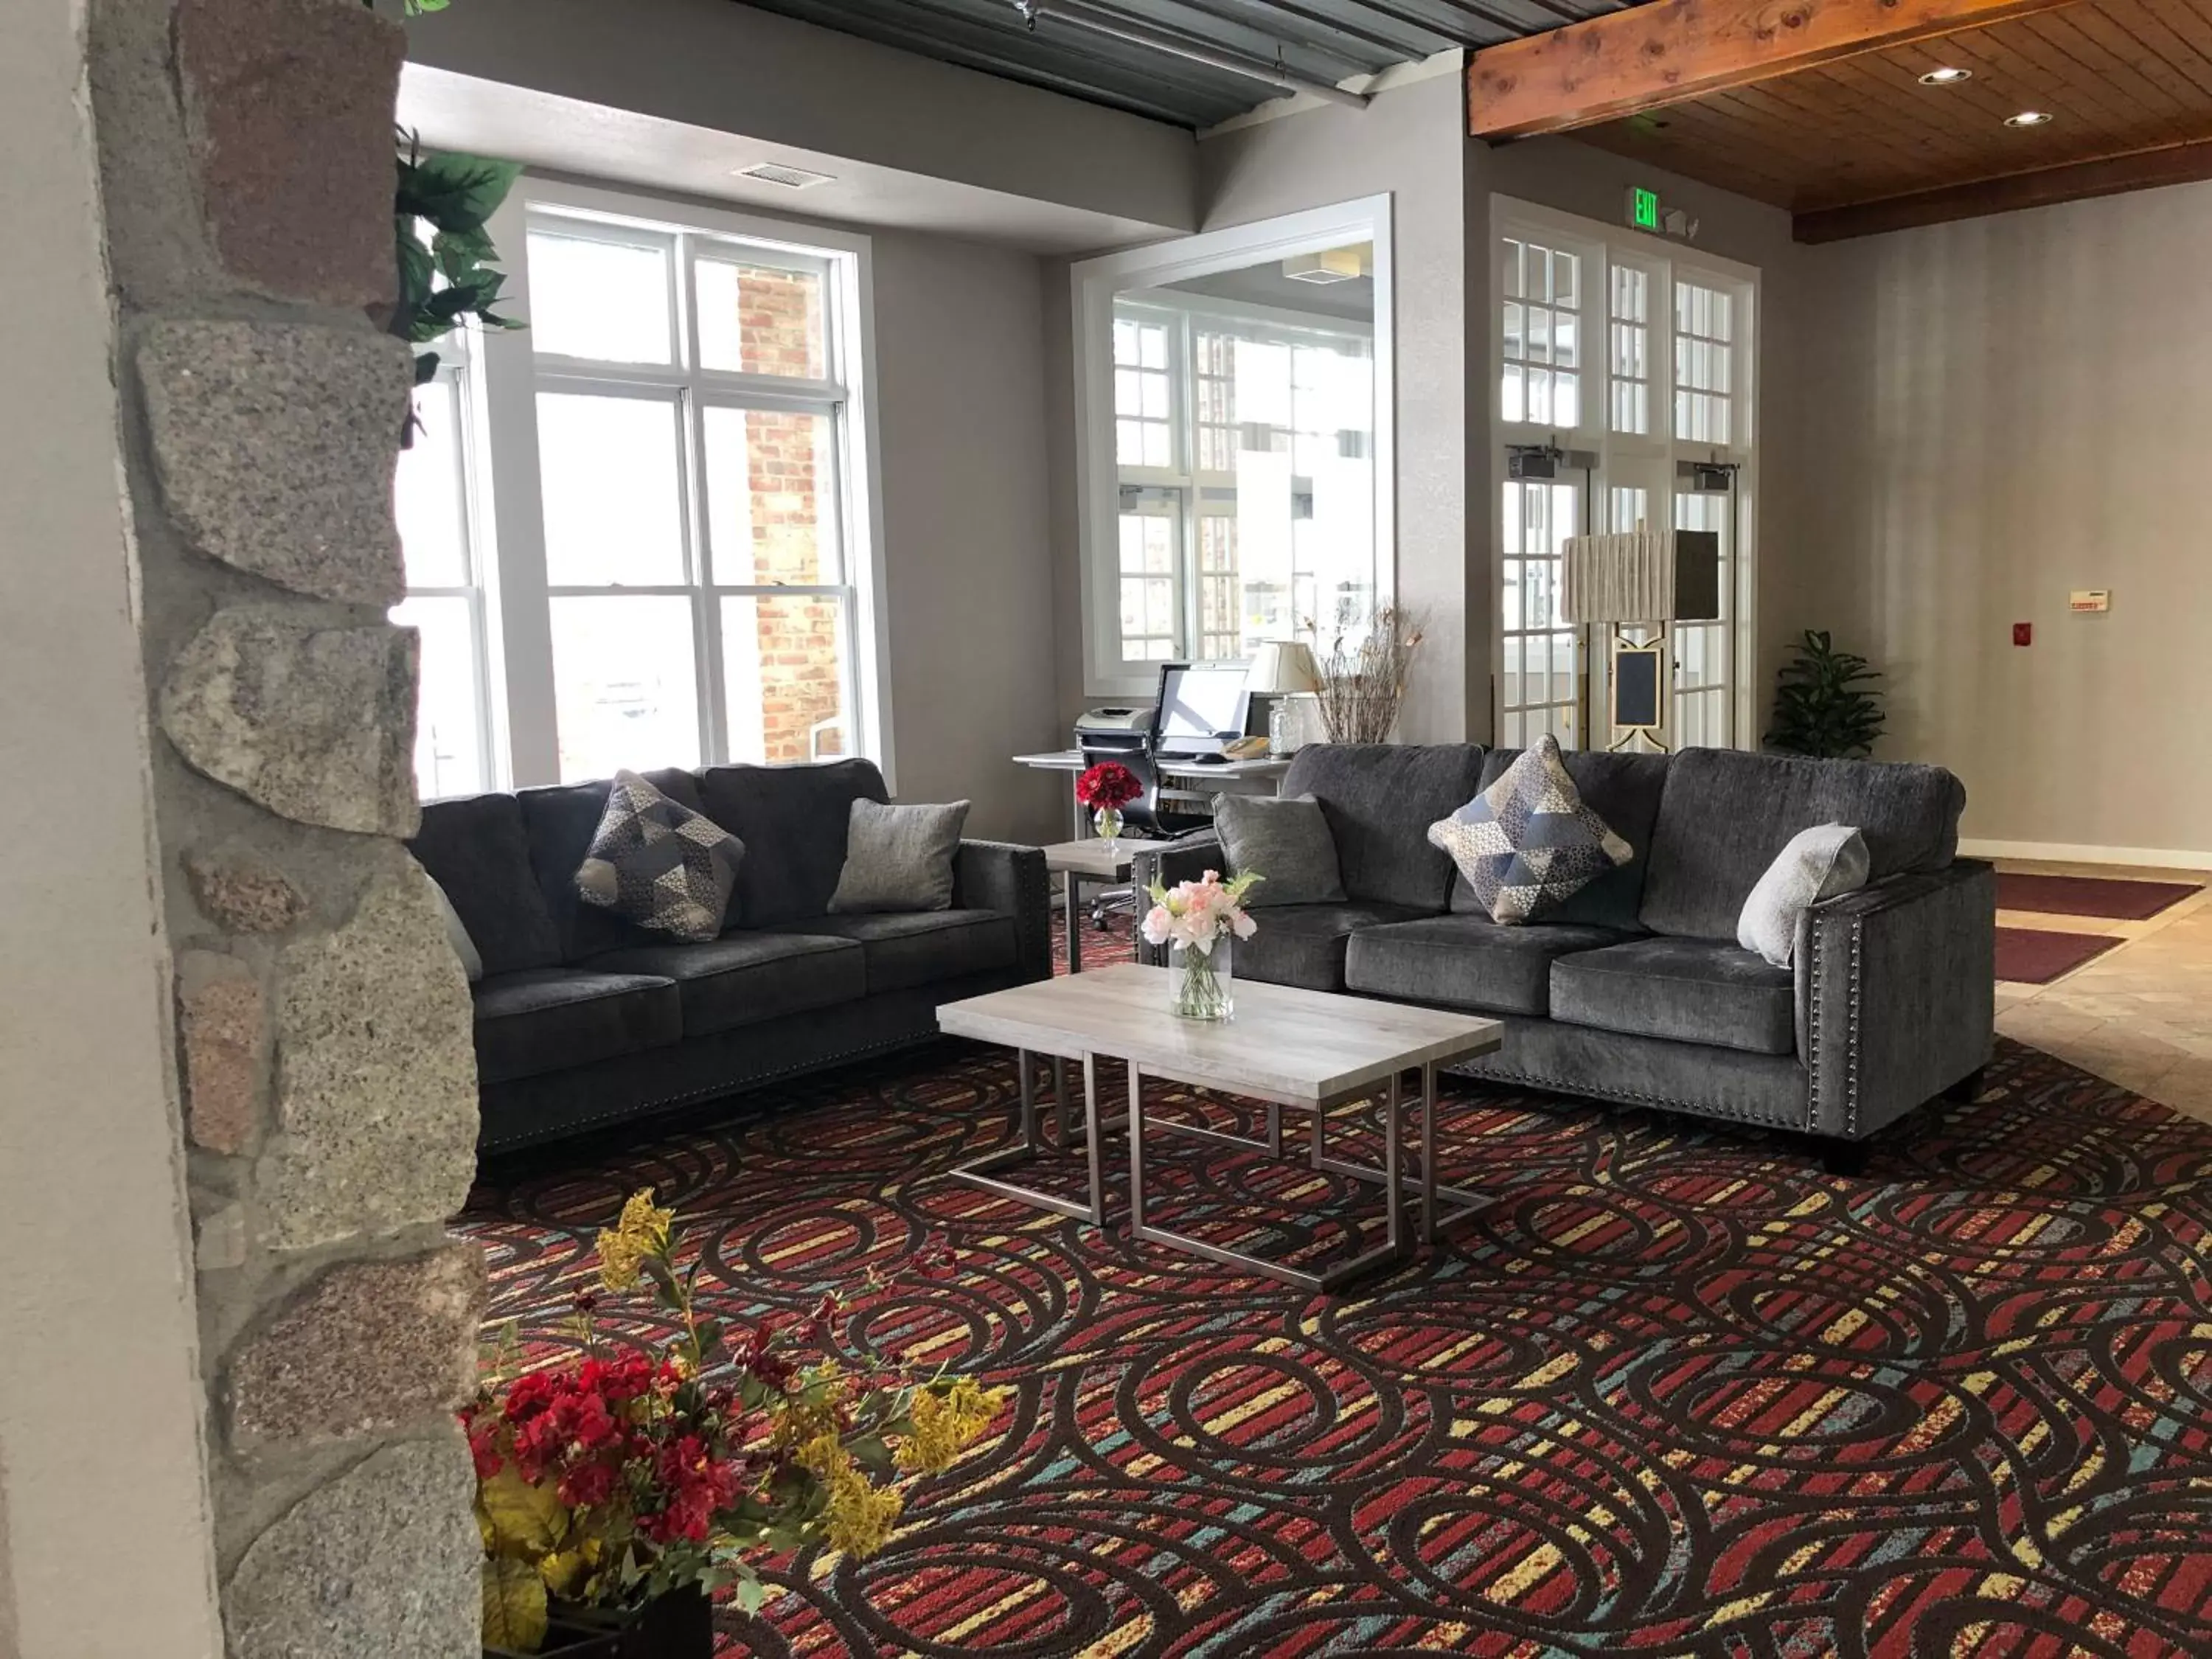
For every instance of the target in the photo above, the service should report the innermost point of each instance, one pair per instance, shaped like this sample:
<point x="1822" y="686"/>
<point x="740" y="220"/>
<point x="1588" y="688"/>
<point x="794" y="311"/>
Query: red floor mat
<point x="2028" y="956"/>
<point x="2090" y="896"/>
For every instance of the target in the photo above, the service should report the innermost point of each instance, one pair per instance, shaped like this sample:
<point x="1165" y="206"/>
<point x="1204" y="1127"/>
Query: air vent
<point x="775" y="173"/>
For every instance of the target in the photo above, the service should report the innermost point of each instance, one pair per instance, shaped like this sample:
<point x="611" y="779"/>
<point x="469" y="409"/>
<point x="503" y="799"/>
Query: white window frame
<point x="514" y="372"/>
<point x="1095" y="283"/>
<point x="1649" y="459"/>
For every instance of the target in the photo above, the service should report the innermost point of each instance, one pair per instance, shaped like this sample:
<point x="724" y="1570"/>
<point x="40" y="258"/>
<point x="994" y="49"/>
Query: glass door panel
<point x="1541" y="667"/>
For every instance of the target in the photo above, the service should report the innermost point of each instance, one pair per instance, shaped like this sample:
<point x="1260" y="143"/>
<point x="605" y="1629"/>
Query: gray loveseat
<point x="1636" y="990"/>
<point x="582" y="1019"/>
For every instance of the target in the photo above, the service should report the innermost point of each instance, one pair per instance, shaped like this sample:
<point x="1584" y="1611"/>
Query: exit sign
<point x="1642" y="208"/>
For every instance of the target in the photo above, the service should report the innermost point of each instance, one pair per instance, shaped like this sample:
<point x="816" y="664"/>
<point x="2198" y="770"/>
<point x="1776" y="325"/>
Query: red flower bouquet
<point x="609" y="1482"/>
<point x="1106" y="788"/>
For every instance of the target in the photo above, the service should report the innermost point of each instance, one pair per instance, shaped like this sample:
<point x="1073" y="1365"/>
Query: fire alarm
<point x="2023" y="633"/>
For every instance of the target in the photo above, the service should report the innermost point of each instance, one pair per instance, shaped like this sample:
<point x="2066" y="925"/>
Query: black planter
<point x="679" y="1625"/>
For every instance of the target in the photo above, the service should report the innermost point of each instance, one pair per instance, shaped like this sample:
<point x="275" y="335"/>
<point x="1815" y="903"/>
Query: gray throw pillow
<point x="898" y="858"/>
<point x="656" y="862"/>
<point x="1527" y="843"/>
<point x="456" y="932"/>
<point x="1823" y="862"/>
<point x="1287" y="841"/>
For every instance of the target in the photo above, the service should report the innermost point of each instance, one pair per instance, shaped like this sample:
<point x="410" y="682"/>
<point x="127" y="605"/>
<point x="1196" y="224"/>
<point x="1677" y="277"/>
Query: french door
<point x="1624" y="367"/>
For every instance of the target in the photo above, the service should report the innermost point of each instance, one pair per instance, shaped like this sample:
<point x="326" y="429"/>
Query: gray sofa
<point x="583" y="1020"/>
<point x="1636" y="990"/>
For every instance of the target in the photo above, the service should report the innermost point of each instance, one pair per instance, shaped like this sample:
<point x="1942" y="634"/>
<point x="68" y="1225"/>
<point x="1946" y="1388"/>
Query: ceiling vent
<point x="1336" y="265"/>
<point x="790" y="178"/>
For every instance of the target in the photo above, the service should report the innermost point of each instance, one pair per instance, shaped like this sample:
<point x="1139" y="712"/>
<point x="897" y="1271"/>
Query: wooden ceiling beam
<point x="2071" y="181"/>
<point x="1670" y="50"/>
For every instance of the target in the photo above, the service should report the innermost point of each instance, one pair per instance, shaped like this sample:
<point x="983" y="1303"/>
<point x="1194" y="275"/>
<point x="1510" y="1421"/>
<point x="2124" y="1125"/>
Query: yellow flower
<point x="642" y="1232"/>
<point x="861" y="1514"/>
<point x="945" y="1424"/>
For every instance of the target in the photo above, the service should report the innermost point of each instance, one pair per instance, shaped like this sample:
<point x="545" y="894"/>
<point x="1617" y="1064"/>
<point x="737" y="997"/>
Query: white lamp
<point x="1282" y="670"/>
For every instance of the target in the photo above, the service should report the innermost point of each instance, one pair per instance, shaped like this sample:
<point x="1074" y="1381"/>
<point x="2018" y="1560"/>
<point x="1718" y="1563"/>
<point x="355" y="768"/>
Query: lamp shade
<point x="1281" y="667"/>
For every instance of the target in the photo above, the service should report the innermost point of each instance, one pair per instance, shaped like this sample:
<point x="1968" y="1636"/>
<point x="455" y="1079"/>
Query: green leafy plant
<point x="1821" y="706"/>
<point x="446" y="273"/>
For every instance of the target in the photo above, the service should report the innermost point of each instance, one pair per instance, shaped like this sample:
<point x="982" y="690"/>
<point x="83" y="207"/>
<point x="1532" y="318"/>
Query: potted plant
<point x="1196" y="920"/>
<point x="1821" y="706"/>
<point x="1106" y="788"/>
<point x="617" y="1492"/>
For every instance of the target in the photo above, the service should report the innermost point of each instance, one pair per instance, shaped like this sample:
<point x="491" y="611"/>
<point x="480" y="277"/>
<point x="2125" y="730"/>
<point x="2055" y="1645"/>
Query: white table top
<point x="1089" y="858"/>
<point x="1308" y="1047"/>
<point x="1071" y="760"/>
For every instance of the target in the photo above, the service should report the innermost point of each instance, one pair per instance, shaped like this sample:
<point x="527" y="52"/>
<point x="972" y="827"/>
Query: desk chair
<point x="1152" y="819"/>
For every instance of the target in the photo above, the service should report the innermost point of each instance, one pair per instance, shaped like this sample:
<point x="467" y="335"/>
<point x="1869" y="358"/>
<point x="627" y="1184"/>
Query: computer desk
<point x="1247" y="777"/>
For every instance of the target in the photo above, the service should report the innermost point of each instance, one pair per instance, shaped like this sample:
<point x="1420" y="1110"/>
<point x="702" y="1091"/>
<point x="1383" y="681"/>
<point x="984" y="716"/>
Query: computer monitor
<point x="1202" y="707"/>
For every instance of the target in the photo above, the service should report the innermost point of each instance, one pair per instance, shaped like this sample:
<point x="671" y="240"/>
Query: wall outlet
<point x="2023" y="633"/>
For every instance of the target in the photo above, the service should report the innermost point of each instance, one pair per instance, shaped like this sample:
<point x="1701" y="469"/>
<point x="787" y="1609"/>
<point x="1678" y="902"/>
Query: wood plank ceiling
<point x="1859" y="143"/>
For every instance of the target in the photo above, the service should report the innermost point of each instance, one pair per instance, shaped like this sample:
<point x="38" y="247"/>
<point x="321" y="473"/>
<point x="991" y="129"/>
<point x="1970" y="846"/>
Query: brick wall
<point x="794" y="522"/>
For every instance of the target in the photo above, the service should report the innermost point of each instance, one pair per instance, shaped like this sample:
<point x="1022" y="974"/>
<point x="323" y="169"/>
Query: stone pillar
<point x="322" y="1027"/>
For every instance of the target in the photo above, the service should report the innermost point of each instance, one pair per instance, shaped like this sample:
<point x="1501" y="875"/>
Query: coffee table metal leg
<point x="1093" y="1135"/>
<point x="1136" y="1152"/>
<point x="1071" y="890"/>
<point x="1061" y="1118"/>
<point x="1393" y="1197"/>
<point x="1429" y="1154"/>
<point x="983" y="1172"/>
<point x="1031" y="1141"/>
<point x="1460" y="1201"/>
<point x="1274" y="1130"/>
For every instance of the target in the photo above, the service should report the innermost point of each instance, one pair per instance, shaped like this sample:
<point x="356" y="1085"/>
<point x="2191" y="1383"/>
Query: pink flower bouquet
<point x="1194" y="914"/>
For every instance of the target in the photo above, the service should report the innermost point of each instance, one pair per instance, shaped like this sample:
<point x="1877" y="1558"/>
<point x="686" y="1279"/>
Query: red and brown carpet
<point x="1677" y="1391"/>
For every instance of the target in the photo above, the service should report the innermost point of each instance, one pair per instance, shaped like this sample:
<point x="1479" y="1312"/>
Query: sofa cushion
<point x="1303" y="944"/>
<point x="922" y="947"/>
<point x="1467" y="962"/>
<point x="793" y="820"/>
<point x="1286" y="839"/>
<point x="474" y="848"/>
<point x="898" y="858"/>
<point x="1689" y="990"/>
<point x="1725" y="815"/>
<point x="1380" y="799"/>
<point x="1529" y="842"/>
<point x="552" y="1019"/>
<point x="1622" y="789"/>
<point x="743" y="978"/>
<point x="659" y="863"/>
<point x="562" y="819"/>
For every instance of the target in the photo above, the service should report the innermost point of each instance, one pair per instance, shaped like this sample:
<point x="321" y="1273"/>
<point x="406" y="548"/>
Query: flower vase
<point x="677" y="1625"/>
<point x="1107" y="821"/>
<point x="1200" y="982"/>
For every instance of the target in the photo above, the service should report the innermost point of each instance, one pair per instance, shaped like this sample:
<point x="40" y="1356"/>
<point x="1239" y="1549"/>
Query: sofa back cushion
<point x="1725" y="815"/>
<point x="1622" y="789"/>
<point x="561" y="820"/>
<point x="793" y="820"/>
<point x="1380" y="799"/>
<point x="474" y="848"/>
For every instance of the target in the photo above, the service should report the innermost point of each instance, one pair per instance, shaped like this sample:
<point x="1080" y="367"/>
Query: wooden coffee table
<point x="1309" y="1050"/>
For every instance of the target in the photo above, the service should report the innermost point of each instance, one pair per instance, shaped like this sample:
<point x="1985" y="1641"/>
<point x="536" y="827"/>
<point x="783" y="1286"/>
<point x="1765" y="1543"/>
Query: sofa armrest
<point x="1168" y="862"/>
<point x="1896" y="994"/>
<point x="995" y="875"/>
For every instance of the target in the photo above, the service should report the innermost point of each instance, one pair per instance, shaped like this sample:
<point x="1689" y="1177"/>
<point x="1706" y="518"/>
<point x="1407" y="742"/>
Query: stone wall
<point x="322" y="1023"/>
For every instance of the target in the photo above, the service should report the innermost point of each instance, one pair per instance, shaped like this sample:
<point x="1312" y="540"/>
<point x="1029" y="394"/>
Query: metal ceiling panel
<point x="1318" y="40"/>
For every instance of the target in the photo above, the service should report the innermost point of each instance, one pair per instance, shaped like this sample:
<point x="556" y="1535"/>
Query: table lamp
<point x="1282" y="670"/>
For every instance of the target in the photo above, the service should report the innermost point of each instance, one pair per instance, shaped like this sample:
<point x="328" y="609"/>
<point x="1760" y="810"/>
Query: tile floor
<point x="2141" y="1015"/>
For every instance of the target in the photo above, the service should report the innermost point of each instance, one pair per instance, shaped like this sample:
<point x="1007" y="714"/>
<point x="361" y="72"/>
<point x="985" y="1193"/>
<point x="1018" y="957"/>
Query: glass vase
<point x="1107" y="821"/>
<point x="1201" y="983"/>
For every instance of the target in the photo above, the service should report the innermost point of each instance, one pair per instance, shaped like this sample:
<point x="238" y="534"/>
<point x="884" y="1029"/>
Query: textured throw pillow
<point x="656" y="862"/>
<point x="1287" y="841"/>
<point x="1819" y="863"/>
<point x="456" y="934"/>
<point x="898" y="858"/>
<point x="1527" y="843"/>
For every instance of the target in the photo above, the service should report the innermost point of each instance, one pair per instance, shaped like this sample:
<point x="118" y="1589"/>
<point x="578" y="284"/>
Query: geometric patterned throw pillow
<point x="656" y="862"/>
<point x="1527" y="844"/>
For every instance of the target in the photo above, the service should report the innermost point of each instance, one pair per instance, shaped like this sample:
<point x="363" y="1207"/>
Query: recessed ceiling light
<point x="2028" y="117"/>
<point x="1946" y="77"/>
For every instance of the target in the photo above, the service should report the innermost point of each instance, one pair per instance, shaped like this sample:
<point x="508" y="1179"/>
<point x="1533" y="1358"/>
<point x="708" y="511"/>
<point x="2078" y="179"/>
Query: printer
<point x="1125" y="729"/>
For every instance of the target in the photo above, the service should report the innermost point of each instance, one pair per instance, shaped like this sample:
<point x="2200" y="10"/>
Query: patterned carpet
<point x="1676" y="1391"/>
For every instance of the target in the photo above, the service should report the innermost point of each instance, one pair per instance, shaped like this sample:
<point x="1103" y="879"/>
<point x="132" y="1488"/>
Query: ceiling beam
<point x="1670" y="50"/>
<point x="2071" y="181"/>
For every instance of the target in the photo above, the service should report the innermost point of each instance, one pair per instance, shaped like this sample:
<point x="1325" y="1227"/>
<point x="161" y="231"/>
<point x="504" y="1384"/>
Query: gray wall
<point x="100" y="1389"/>
<point x="961" y="372"/>
<point x="1998" y="411"/>
<point x="1411" y="142"/>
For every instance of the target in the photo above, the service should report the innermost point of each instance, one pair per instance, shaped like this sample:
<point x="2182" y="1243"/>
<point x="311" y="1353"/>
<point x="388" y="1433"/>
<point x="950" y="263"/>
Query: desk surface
<point x="1071" y="760"/>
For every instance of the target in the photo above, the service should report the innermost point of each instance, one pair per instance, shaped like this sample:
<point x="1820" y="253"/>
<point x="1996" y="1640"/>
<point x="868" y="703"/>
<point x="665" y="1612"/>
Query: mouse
<point x="1210" y="760"/>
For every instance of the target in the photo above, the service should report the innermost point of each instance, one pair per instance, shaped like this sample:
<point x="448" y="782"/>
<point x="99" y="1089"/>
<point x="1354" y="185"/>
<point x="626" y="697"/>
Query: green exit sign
<point x="1642" y="208"/>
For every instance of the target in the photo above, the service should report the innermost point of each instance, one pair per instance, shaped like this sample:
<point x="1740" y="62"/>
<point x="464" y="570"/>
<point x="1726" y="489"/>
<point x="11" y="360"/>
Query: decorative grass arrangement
<point x="1363" y="676"/>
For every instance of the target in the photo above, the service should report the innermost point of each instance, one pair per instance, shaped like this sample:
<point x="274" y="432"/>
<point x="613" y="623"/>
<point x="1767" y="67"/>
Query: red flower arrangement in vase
<point x="1106" y="788"/>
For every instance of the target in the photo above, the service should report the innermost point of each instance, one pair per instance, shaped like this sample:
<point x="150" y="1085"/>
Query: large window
<point x="682" y="574"/>
<point x="1233" y="463"/>
<point x="1653" y="429"/>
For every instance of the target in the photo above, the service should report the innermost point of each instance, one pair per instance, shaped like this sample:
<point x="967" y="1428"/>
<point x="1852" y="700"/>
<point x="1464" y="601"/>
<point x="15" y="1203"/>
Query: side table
<point x="1076" y="862"/>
